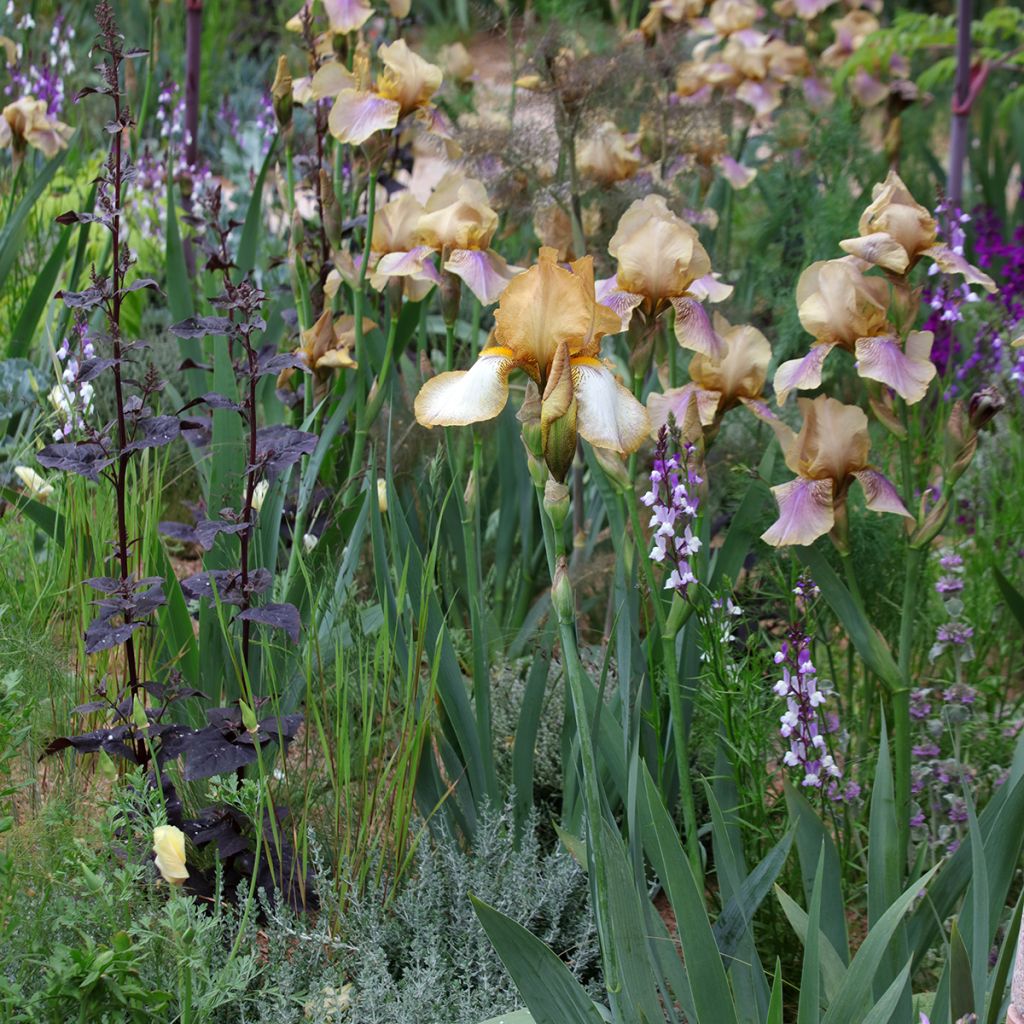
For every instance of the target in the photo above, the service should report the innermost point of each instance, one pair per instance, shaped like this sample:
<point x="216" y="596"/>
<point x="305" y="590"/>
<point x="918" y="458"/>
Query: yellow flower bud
<point x="169" y="847"/>
<point x="382" y="495"/>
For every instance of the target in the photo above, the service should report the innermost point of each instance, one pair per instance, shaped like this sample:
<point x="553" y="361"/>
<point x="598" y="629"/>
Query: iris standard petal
<point x="621" y="303"/>
<point x="908" y="372"/>
<point x="805" y="512"/>
<point x="677" y="400"/>
<point x="460" y="397"/>
<point x="608" y="415"/>
<point x="880" y="249"/>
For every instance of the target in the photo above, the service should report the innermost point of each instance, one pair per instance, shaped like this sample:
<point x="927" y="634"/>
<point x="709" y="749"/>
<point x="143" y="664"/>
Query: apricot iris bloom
<point x="828" y="454"/>
<point x="548" y="322"/>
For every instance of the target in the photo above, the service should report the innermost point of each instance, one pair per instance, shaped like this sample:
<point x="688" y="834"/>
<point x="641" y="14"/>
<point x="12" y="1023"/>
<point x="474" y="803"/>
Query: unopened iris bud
<point x="561" y="592"/>
<point x="961" y="443"/>
<point x="469" y="494"/>
<point x="558" y="416"/>
<point x="382" y="495"/>
<point x="332" y="211"/>
<point x="281" y="94"/>
<point x="614" y="467"/>
<point x="983" y="406"/>
<point x="451" y="296"/>
<point x="529" y="417"/>
<point x="298" y="233"/>
<point x="249" y="718"/>
<point x="538" y="471"/>
<point x="556" y="503"/>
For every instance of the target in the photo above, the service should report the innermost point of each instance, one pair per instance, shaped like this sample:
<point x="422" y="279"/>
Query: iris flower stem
<point x="358" y="297"/>
<point x="470" y="515"/>
<point x="449" y="346"/>
<point x="554" y="541"/>
<point x="901" y="695"/>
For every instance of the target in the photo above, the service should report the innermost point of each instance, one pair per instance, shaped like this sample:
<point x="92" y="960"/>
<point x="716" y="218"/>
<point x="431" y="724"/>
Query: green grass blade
<point x="885" y="1009"/>
<point x="961" y="987"/>
<point x="743" y="529"/>
<point x="774" y="1015"/>
<point x="248" y="243"/>
<point x="833" y="970"/>
<point x="38" y="298"/>
<point x="809" y="1010"/>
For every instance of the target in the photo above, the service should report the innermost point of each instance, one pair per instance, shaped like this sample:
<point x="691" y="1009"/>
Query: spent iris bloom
<point x="25" y="123"/>
<point x="845" y="308"/>
<point x="605" y="156"/>
<point x="549" y="325"/>
<point x="662" y="263"/>
<point x="828" y="454"/>
<point x="327" y="346"/>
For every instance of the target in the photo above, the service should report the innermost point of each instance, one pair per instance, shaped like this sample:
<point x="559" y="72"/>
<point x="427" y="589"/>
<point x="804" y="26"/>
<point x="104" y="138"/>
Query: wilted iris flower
<point x="718" y="384"/>
<point x="662" y="263"/>
<point x="344" y="16"/>
<point x="549" y="325"/>
<point x="327" y="346"/>
<point x="25" y="123"/>
<point x="828" y="454"/>
<point x="895" y="231"/>
<point x="606" y="157"/>
<point x="843" y="307"/>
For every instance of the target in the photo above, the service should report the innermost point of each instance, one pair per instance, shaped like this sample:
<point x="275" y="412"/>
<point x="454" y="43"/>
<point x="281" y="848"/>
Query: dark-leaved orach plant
<point x="138" y="726"/>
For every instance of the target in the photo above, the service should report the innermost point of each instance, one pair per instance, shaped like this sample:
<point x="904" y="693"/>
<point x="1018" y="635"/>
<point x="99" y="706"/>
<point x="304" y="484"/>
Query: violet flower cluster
<point x="45" y="79"/>
<point x="803" y="724"/>
<point x="989" y="354"/>
<point x="71" y="398"/>
<point x="674" y="502"/>
<point x="955" y="634"/>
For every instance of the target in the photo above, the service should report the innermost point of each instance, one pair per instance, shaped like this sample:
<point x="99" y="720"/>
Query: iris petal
<point x="460" y="397"/>
<point x="805" y="512"/>
<point x="801" y="374"/>
<point x="484" y="271"/>
<point x="356" y="115"/>
<point x="883" y="360"/>
<point x="608" y="415"/>
<point x="694" y="330"/>
<point x="880" y="494"/>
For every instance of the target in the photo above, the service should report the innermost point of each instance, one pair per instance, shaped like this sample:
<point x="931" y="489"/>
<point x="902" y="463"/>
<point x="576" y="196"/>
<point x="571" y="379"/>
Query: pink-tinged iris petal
<point x="738" y="176"/>
<point x="808" y="9"/>
<point x="818" y="93"/>
<point x="801" y="374"/>
<point x="879" y="249"/>
<point x="459" y="397"/>
<point x="484" y="271"/>
<point x="347" y="15"/>
<point x="763" y="96"/>
<point x="907" y="373"/>
<point x="330" y="79"/>
<point x="608" y="416"/>
<point x="609" y="294"/>
<point x="676" y="401"/>
<point x="710" y="288"/>
<point x="403" y="264"/>
<point x="693" y="328"/>
<point x="805" y="512"/>
<point x="356" y="115"/>
<point x="879" y="493"/>
<point x="950" y="262"/>
<point x="867" y="90"/>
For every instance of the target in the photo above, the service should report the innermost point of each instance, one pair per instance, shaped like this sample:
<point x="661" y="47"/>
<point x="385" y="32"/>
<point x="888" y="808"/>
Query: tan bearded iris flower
<point x="605" y="157"/>
<point x="660" y="263"/>
<point x="718" y="385"/>
<point x="406" y="85"/>
<point x="458" y="223"/>
<point x="828" y="454"/>
<point x="842" y="307"/>
<point x="549" y="325"/>
<point x="25" y="123"/>
<point x="895" y="231"/>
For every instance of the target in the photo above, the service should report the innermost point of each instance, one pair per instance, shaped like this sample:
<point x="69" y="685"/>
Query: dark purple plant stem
<point x="193" y="64"/>
<point x="961" y="106"/>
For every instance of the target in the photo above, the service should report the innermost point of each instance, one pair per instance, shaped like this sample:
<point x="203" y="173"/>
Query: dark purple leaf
<point x="204" y="533"/>
<point x="104" y="584"/>
<point x="139" y="284"/>
<point x="228" y="583"/>
<point x="156" y="432"/>
<point x="277" y="616"/>
<point x="274" y="362"/>
<point x="102" y="634"/>
<point x="209" y="752"/>
<point x="92" y="368"/>
<point x="86" y="459"/>
<point x="201" y="326"/>
<point x="115" y="741"/>
<point x="191" y="364"/>
<point x="279" y="447"/>
<point x="73" y="217"/>
<point x="88" y="299"/>
<point x="168" y="692"/>
<point x="90" y="707"/>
